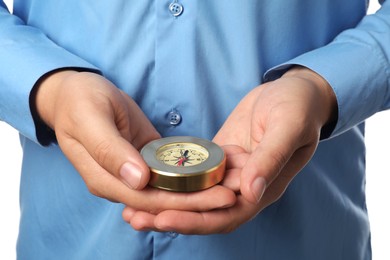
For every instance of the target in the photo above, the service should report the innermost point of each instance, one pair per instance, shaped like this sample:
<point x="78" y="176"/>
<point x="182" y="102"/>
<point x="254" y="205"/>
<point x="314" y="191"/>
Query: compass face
<point x="182" y="154"/>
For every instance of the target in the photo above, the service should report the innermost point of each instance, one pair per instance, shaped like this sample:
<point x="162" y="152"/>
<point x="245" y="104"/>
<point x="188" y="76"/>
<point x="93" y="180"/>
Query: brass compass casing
<point x="184" y="163"/>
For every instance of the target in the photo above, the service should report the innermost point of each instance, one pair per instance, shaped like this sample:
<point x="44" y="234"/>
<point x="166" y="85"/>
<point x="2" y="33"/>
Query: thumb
<point x="272" y="157"/>
<point x="120" y="158"/>
<point x="115" y="150"/>
<point x="110" y="151"/>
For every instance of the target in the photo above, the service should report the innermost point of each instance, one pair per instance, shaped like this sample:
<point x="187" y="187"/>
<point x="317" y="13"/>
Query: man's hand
<point x="278" y="125"/>
<point x="268" y="138"/>
<point x="100" y="129"/>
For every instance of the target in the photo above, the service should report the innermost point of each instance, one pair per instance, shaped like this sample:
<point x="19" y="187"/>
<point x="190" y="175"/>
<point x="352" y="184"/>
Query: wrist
<point x="326" y="96"/>
<point x="46" y="92"/>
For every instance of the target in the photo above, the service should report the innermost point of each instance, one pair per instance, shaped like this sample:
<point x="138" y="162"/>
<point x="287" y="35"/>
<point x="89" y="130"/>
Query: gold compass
<point x="183" y="163"/>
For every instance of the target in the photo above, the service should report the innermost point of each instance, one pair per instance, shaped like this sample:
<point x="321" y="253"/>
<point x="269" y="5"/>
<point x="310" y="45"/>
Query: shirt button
<point x="174" y="117"/>
<point x="172" y="234"/>
<point x="176" y="9"/>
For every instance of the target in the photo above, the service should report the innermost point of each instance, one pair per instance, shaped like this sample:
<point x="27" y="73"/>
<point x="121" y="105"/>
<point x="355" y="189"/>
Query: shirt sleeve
<point x="26" y="56"/>
<point x="357" y="66"/>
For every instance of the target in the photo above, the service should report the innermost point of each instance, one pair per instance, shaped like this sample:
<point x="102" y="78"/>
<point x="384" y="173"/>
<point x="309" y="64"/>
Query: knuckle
<point x="102" y="151"/>
<point x="93" y="187"/>
<point x="94" y="191"/>
<point x="100" y="189"/>
<point x="279" y="160"/>
<point x="228" y="230"/>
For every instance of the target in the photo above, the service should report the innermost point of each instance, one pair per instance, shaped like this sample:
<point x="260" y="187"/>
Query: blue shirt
<point x="196" y="67"/>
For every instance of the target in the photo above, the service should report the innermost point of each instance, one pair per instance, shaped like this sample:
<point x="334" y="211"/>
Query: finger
<point x="236" y="158"/>
<point x="142" y="221"/>
<point x="232" y="180"/>
<point x="128" y="213"/>
<point x="209" y="199"/>
<point x="202" y="223"/>
<point x="236" y="161"/>
<point x="232" y="149"/>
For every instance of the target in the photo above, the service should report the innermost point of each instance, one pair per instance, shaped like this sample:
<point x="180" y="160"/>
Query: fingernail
<point x="258" y="187"/>
<point x="131" y="174"/>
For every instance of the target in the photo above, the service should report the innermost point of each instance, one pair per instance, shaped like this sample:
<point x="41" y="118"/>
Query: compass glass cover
<point x="182" y="154"/>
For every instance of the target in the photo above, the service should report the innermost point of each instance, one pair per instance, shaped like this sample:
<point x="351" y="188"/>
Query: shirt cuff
<point x="44" y="134"/>
<point x="21" y="77"/>
<point x="357" y="75"/>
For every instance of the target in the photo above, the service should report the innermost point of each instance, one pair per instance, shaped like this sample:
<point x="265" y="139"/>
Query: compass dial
<point x="182" y="154"/>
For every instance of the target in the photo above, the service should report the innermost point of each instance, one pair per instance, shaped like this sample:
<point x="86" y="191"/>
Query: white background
<point x="378" y="179"/>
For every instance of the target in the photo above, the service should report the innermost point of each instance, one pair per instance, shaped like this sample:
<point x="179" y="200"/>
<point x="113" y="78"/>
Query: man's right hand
<point x="101" y="129"/>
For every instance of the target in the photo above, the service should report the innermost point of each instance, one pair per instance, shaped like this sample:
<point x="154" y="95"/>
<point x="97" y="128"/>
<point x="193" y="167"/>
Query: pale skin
<point x="268" y="138"/>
